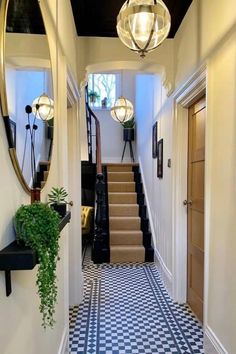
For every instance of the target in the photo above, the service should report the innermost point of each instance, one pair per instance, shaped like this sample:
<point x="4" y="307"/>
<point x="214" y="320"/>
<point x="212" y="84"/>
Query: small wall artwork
<point x="154" y="140"/>
<point x="160" y="158"/>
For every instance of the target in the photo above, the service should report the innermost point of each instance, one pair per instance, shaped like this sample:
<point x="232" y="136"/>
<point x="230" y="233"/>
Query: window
<point x="104" y="87"/>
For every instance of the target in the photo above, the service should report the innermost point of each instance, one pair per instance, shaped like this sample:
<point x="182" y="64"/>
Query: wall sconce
<point x="142" y="25"/>
<point x="123" y="110"/>
<point x="43" y="107"/>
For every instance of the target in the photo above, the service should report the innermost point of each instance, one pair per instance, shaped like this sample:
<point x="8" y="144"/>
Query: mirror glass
<point x="28" y="76"/>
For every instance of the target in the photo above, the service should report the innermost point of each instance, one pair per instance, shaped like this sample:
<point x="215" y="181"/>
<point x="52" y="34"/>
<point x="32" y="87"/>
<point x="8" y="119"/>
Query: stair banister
<point x="100" y="235"/>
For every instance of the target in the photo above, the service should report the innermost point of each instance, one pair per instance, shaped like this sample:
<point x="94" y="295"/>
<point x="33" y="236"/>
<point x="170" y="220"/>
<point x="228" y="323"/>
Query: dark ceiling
<point x="24" y="16"/>
<point x="98" y="18"/>
<point x="92" y="18"/>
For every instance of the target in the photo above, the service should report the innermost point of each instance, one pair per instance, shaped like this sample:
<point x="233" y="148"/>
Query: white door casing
<point x="191" y="91"/>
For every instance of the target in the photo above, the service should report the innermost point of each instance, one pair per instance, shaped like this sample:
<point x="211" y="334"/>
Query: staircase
<point x="42" y="174"/>
<point x="130" y="239"/>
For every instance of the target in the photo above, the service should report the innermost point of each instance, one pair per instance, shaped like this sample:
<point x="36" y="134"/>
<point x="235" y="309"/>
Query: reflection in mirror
<point x="28" y="77"/>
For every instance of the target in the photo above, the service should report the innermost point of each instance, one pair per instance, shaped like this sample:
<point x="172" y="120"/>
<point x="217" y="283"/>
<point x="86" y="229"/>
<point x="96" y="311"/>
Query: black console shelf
<point x="19" y="257"/>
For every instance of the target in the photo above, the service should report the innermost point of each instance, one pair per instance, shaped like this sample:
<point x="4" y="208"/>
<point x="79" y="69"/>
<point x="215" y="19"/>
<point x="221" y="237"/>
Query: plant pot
<point x="92" y="99"/>
<point x="60" y="208"/>
<point x="128" y="134"/>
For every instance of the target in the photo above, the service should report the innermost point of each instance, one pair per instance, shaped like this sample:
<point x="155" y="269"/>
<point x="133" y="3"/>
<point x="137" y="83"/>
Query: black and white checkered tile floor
<point x="126" y="309"/>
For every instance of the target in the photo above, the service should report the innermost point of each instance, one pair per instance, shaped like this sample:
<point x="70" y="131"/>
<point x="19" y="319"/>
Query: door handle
<point x="187" y="202"/>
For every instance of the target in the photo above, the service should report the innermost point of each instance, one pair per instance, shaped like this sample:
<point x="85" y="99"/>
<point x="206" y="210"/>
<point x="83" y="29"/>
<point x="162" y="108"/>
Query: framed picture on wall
<point x="154" y="140"/>
<point x="13" y="131"/>
<point x="160" y="158"/>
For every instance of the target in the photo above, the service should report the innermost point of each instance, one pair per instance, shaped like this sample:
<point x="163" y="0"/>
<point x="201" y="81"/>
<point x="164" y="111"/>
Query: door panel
<point x="196" y="163"/>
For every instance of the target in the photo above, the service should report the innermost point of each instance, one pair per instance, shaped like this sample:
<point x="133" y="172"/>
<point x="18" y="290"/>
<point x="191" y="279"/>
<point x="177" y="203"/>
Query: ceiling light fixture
<point x="123" y="110"/>
<point x="142" y="25"/>
<point x="43" y="107"/>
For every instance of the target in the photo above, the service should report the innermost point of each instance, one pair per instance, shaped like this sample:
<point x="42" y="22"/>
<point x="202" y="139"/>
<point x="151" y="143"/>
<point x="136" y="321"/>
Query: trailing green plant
<point x="37" y="225"/>
<point x="93" y="95"/>
<point x="58" y="195"/>
<point x="130" y="124"/>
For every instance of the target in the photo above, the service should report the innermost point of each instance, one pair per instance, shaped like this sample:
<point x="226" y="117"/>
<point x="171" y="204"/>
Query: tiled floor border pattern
<point x="126" y="309"/>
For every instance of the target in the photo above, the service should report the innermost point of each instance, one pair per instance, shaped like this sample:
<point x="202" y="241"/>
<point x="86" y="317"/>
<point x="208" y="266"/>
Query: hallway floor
<point x="126" y="309"/>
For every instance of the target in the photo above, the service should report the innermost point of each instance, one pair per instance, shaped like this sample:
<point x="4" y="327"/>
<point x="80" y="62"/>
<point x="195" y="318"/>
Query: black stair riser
<point x="40" y="176"/>
<point x="43" y="168"/>
<point x="149" y="254"/>
<point x="142" y="211"/>
<point x="103" y="256"/>
<point x="144" y="225"/>
<point x="137" y="178"/>
<point x="135" y="169"/>
<point x="147" y="239"/>
<point x="138" y="187"/>
<point x="140" y="198"/>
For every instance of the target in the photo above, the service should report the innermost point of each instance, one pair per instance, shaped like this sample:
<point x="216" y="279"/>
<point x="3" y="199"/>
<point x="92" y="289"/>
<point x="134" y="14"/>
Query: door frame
<point x="193" y="89"/>
<point x="75" y="274"/>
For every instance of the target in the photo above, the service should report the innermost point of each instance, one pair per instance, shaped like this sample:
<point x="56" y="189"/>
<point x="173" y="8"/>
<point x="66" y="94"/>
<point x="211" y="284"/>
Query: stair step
<point x="119" y="168"/>
<point x="121" y="187"/>
<point x="120" y="176"/>
<point x="124" y="223"/>
<point x="125" y="237"/>
<point x="45" y="175"/>
<point x="122" y="254"/>
<point x="122" y="198"/>
<point x="123" y="210"/>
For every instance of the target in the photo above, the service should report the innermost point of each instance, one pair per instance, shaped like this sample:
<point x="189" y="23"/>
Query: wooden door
<point x="195" y="205"/>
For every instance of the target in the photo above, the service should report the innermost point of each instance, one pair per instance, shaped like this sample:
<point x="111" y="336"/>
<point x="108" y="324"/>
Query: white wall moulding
<point x="138" y="66"/>
<point x="164" y="272"/>
<point x="189" y="92"/>
<point x="212" y="345"/>
<point x="73" y="93"/>
<point x="192" y="89"/>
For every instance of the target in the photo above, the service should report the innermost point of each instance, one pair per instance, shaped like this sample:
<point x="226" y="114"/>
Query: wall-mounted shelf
<point x="19" y="257"/>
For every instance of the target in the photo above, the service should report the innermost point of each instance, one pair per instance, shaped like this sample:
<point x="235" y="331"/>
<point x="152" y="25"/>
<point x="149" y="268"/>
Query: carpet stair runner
<point x="130" y="239"/>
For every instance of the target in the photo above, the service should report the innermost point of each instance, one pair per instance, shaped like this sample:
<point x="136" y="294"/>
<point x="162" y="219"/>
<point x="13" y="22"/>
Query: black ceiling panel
<point x="24" y="16"/>
<point x="98" y="18"/>
<point x="92" y="18"/>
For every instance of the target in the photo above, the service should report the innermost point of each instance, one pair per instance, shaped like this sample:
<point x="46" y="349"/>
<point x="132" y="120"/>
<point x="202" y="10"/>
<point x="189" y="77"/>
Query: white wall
<point x="151" y="106"/>
<point x="20" y="325"/>
<point x="221" y="178"/>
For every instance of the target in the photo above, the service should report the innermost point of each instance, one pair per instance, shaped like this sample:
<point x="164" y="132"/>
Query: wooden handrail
<point x="98" y="141"/>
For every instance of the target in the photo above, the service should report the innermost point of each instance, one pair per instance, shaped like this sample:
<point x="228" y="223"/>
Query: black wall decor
<point x="154" y="140"/>
<point x="160" y="159"/>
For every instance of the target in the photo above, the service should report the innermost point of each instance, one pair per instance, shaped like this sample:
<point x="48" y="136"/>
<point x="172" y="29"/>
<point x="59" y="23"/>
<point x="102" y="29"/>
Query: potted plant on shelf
<point x="37" y="226"/>
<point x="128" y="133"/>
<point x="57" y="200"/>
<point x="93" y="96"/>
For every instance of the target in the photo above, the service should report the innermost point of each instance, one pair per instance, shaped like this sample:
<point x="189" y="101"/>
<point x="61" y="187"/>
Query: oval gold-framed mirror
<point x="26" y="90"/>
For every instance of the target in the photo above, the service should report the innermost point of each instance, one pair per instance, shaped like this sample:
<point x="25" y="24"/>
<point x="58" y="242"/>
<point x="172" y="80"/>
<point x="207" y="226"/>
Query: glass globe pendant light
<point x="123" y="110"/>
<point x="43" y="107"/>
<point x="142" y="25"/>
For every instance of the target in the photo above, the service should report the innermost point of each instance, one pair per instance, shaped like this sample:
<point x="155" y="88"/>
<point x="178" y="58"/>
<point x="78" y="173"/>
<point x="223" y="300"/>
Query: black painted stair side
<point x="147" y="236"/>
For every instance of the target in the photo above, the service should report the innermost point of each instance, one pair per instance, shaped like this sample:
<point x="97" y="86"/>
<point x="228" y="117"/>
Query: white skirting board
<point x="165" y="274"/>
<point x="212" y="345"/>
<point x="64" y="345"/>
<point x="164" y="271"/>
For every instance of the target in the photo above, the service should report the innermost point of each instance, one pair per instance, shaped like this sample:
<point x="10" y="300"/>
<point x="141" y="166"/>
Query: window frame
<point x="117" y="87"/>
